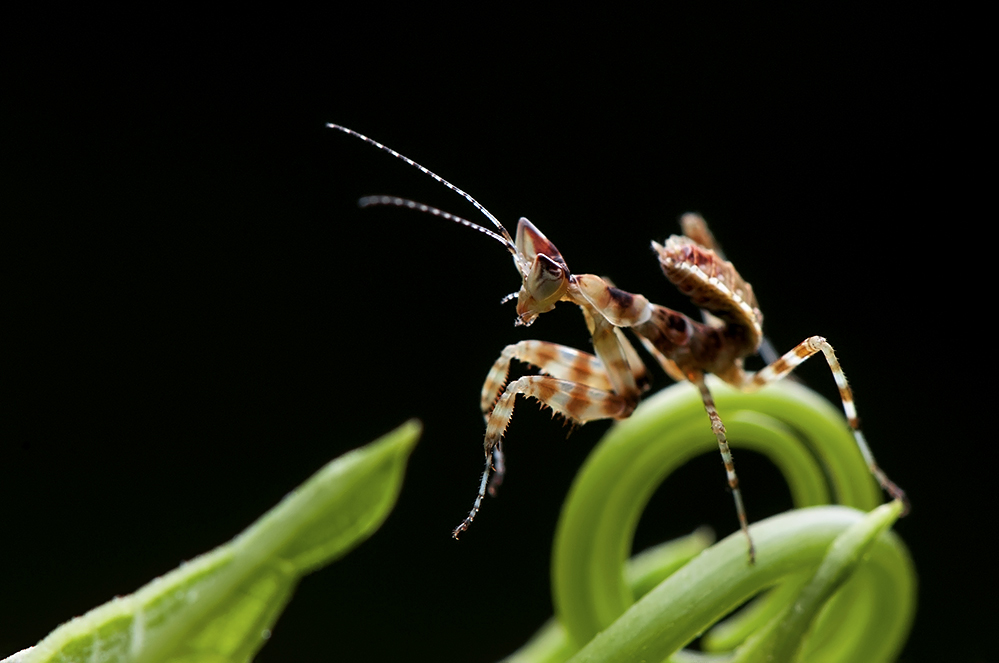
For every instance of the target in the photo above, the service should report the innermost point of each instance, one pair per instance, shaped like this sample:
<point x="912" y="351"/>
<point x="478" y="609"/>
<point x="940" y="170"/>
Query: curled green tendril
<point x="841" y="585"/>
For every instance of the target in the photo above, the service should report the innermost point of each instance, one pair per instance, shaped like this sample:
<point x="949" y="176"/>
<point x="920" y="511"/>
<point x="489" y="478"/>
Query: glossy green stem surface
<point x="854" y="609"/>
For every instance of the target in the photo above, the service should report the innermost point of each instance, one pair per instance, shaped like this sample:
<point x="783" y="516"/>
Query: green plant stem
<point x="810" y="443"/>
<point x="719" y="579"/>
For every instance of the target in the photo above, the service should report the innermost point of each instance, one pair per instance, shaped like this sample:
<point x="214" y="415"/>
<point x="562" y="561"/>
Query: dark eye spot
<point x="549" y="266"/>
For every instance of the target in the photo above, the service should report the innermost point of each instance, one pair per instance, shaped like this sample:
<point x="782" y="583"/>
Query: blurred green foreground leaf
<point x="220" y="607"/>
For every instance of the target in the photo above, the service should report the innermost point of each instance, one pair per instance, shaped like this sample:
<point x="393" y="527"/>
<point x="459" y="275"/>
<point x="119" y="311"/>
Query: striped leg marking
<point x="575" y="401"/>
<point x="795" y="357"/>
<point x="726" y="453"/>
<point x="558" y="361"/>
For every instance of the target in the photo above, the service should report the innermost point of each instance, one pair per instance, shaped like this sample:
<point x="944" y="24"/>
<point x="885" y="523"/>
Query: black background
<point x="197" y="316"/>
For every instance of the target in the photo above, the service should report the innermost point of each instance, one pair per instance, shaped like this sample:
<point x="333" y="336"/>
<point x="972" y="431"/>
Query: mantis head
<point x="545" y="274"/>
<point x="542" y="269"/>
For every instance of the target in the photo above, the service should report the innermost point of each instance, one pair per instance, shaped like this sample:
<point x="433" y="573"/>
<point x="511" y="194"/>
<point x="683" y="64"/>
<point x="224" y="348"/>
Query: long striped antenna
<point x="393" y="201"/>
<point x="502" y="236"/>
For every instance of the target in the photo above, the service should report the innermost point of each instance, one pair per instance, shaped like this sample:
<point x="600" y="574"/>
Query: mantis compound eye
<point x="547" y="280"/>
<point x="544" y="285"/>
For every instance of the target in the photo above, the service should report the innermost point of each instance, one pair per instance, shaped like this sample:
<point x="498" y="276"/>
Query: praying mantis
<point x="608" y="383"/>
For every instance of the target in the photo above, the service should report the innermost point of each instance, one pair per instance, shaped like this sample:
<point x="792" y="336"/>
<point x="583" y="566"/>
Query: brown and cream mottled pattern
<point x="608" y="383"/>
